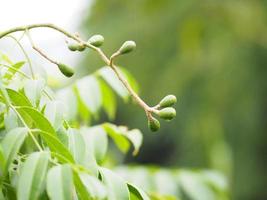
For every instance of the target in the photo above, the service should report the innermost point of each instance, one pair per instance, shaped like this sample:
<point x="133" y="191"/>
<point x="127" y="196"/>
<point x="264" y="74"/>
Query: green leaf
<point x="130" y="78"/>
<point x="193" y="186"/>
<point x="60" y="183"/>
<point x="32" y="179"/>
<point x="33" y="90"/>
<point x="5" y="58"/>
<point x="77" y="146"/>
<point x="69" y="99"/>
<point x="108" y="100"/>
<point x="89" y="92"/>
<point x="116" y="187"/>
<point x="136" y="138"/>
<point x="95" y="188"/>
<point x="96" y="141"/>
<point x="18" y="99"/>
<point x="54" y="113"/>
<point x="56" y="146"/>
<point x="10" y="120"/>
<point x="136" y="193"/>
<point x="11" y="72"/>
<point x="11" y="145"/>
<point x="110" y="77"/>
<point x="35" y="119"/>
<point x="80" y="188"/>
<point x="117" y="136"/>
<point x="2" y="162"/>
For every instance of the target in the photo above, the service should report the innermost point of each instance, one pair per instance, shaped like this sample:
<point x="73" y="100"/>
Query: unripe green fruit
<point x="96" y="40"/>
<point x="127" y="47"/>
<point x="153" y="124"/>
<point x="168" y="101"/>
<point x="167" y="113"/>
<point x="81" y="48"/>
<point x="76" y="47"/>
<point x="66" y="70"/>
<point x="73" y="46"/>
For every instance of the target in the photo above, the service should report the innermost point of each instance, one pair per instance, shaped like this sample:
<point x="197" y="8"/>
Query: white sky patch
<point x="64" y="13"/>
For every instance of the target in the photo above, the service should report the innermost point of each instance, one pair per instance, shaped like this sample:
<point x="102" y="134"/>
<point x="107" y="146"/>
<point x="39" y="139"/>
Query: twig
<point x="148" y="110"/>
<point x="24" y="52"/>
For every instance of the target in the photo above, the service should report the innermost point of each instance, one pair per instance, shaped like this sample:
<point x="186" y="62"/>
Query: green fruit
<point x="66" y="70"/>
<point x="96" y="40"/>
<point x="167" y="113"/>
<point x="168" y="101"/>
<point x="153" y="124"/>
<point x="81" y="47"/>
<point x="76" y="47"/>
<point x="73" y="46"/>
<point x="127" y="47"/>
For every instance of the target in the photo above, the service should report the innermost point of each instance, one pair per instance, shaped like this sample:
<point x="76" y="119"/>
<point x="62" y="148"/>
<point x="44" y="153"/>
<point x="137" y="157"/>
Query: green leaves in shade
<point x="11" y="145"/>
<point x="116" y="187"/>
<point x="59" y="184"/>
<point x="32" y="179"/>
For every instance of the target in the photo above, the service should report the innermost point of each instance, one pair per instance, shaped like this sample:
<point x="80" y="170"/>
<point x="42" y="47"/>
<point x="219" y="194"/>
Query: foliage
<point x="50" y="150"/>
<point x="212" y="56"/>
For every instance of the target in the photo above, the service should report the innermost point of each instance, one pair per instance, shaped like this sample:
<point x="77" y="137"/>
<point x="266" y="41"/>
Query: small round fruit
<point x="81" y="47"/>
<point x="66" y="70"/>
<point x="167" y="113"/>
<point x="127" y="47"/>
<point x="73" y="46"/>
<point x="168" y="101"/>
<point x="96" y="40"/>
<point x="153" y="124"/>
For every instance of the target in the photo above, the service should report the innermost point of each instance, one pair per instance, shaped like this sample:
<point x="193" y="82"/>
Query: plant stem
<point x="148" y="110"/>
<point x="26" y="126"/>
<point x="24" y="52"/>
<point x="39" y="50"/>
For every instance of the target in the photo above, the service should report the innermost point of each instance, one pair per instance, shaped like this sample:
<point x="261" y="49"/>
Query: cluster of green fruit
<point x="97" y="41"/>
<point x="164" y="111"/>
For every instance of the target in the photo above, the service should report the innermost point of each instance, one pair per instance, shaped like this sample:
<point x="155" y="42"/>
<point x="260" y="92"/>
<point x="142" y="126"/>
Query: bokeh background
<point x="211" y="54"/>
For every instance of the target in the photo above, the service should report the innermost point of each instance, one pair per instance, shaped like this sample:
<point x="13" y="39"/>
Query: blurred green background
<point x="212" y="55"/>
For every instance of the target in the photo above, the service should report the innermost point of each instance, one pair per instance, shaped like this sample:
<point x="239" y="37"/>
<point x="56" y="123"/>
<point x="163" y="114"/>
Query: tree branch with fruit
<point x="163" y="110"/>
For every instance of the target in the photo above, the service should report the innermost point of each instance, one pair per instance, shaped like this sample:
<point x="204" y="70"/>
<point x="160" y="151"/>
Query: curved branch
<point x="148" y="110"/>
